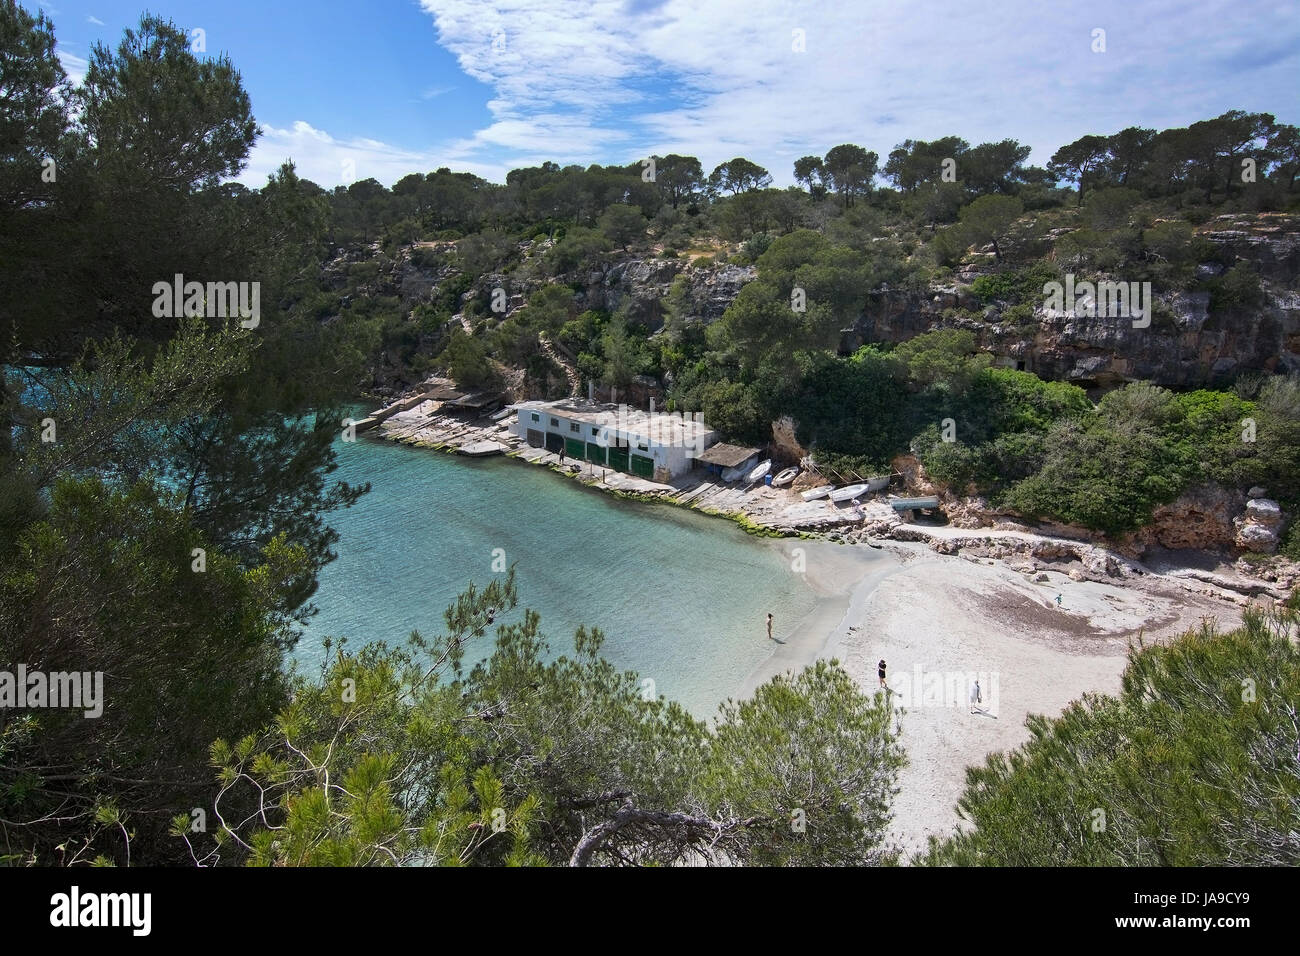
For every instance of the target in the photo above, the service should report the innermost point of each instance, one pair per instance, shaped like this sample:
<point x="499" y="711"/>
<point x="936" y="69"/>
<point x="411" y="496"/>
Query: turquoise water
<point x="682" y="598"/>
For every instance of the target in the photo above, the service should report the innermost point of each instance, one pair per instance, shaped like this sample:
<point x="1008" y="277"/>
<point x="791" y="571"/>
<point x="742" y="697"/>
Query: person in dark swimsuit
<point x="880" y="670"/>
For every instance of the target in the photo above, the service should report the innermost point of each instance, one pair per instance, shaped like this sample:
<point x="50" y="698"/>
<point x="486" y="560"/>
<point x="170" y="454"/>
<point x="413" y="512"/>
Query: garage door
<point x="536" y="439"/>
<point x="596" y="453"/>
<point x="618" y="459"/>
<point x="643" y="467"/>
<point x="554" y="443"/>
<point x="574" y="448"/>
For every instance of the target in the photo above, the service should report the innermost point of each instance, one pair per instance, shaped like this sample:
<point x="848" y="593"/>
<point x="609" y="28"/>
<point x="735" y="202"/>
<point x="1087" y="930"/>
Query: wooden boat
<point x="759" y="471"/>
<point x="848" y="492"/>
<point x="783" y="479"/>
<point x="812" y="494"/>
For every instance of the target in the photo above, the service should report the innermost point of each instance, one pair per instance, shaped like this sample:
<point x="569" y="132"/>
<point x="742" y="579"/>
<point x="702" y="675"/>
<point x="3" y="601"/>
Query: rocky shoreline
<point x="762" y="509"/>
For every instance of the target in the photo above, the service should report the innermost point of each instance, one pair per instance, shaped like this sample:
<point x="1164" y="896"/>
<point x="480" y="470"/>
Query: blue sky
<point x="386" y="87"/>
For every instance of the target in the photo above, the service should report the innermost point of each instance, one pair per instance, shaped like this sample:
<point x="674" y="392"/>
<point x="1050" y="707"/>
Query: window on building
<point x="536" y="417"/>
<point x="555" y="423"/>
<point x="643" y="446"/>
<point x="573" y="426"/>
<point x="595" y="430"/>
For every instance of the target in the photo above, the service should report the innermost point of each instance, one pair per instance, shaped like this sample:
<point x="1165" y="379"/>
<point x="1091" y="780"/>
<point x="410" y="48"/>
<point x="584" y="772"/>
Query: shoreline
<point x="774" y="513"/>
<point x="939" y="598"/>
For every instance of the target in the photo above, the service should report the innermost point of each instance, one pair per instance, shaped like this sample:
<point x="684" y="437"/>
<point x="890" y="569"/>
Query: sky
<point x="381" y="88"/>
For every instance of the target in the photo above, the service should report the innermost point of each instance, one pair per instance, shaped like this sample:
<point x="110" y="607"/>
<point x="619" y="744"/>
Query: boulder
<point x="1264" y="511"/>
<point x="1257" y="538"/>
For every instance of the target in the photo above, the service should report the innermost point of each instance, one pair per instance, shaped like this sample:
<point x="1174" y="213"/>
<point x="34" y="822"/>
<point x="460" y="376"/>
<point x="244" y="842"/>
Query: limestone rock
<point x="1264" y="511"/>
<point x="1201" y="518"/>
<point x="1258" y="538"/>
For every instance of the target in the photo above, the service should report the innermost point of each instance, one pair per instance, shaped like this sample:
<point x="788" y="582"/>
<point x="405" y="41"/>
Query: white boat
<point x="878" y="483"/>
<point x="812" y="494"/>
<point x="759" y="471"/>
<point x="848" y="492"/>
<point x="783" y="479"/>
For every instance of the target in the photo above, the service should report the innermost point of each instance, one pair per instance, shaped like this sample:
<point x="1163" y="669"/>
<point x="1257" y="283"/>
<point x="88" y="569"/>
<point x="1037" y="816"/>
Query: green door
<point x="596" y="453"/>
<point x="618" y="459"/>
<point x="573" y="448"/>
<point x="643" y="467"/>
<point x="554" y="443"/>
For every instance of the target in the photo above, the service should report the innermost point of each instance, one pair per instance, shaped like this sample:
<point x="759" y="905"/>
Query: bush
<point x="1189" y="770"/>
<point x="756" y="245"/>
<point x="1238" y="287"/>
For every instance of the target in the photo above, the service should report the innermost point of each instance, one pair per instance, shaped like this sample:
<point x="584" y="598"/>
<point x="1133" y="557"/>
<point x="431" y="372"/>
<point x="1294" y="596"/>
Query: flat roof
<point x="662" y="428"/>
<point x="728" y="456"/>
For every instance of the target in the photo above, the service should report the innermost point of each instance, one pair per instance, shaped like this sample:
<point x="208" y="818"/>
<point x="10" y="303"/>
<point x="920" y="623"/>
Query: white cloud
<point x="95" y="20"/>
<point x="331" y="162"/>
<point x="75" y="66"/>
<point x="613" y="80"/>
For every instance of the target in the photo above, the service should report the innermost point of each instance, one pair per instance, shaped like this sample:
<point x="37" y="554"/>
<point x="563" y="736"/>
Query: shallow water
<point x="681" y="597"/>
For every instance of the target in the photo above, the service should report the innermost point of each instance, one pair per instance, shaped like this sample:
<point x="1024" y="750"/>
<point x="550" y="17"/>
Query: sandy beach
<point x="941" y="622"/>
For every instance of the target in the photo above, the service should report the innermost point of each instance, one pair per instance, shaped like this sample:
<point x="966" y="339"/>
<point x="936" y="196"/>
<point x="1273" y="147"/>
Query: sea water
<point x="682" y="598"/>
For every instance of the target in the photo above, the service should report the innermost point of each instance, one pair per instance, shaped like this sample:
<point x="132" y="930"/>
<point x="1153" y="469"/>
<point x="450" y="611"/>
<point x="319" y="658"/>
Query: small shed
<point x="906" y="506"/>
<point x="724" y="457"/>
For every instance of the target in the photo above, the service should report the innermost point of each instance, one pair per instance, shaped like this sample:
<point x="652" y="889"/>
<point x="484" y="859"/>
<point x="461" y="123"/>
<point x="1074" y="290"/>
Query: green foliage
<point x="107" y="582"/>
<point x="850" y="407"/>
<point x="947" y="358"/>
<point x="815" y="759"/>
<point x="535" y="759"/>
<point x="467" y="362"/>
<point x="1193" y="764"/>
<point x="988" y="220"/>
<point x="580" y="249"/>
<point x="623" y="225"/>
<point x="1109" y="470"/>
<point x="1236" y="288"/>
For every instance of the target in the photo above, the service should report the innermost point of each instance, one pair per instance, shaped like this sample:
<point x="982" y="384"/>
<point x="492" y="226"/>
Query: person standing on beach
<point x="880" y="672"/>
<point x="769" y="625"/>
<point x="975" y="697"/>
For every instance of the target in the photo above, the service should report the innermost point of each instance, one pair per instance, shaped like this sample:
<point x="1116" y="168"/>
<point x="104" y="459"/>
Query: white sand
<point x="952" y="617"/>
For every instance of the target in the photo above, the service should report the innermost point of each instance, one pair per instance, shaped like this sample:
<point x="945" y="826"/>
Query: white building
<point x="657" y="446"/>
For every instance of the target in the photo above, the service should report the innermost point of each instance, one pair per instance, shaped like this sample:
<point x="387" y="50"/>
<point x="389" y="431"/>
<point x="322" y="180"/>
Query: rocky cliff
<point x="1187" y="345"/>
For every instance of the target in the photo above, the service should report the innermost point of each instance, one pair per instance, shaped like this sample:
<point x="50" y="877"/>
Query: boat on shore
<point x="759" y="471"/>
<point x="848" y="492"/>
<point x="878" y="482"/>
<point x="812" y="494"/>
<point x="785" y="478"/>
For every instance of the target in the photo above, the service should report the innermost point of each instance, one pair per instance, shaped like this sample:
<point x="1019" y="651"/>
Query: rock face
<point x="1202" y="518"/>
<point x="785" y="446"/>
<point x="641" y="284"/>
<point x="1185" y="346"/>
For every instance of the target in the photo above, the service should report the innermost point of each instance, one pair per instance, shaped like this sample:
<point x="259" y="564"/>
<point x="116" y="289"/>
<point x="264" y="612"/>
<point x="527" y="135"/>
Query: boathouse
<point x="729" y="461"/>
<point x="657" y="446"/>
